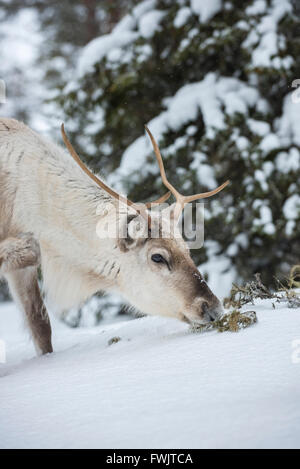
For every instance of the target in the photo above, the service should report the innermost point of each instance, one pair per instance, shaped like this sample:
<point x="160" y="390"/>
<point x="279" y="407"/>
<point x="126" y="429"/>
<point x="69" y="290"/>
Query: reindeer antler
<point x="139" y="208"/>
<point x="181" y="200"/>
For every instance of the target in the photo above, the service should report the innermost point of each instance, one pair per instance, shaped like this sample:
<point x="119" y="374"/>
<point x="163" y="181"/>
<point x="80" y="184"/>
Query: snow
<point x="143" y="21"/>
<point x="104" y="308"/>
<point x="243" y="240"/>
<point x="288" y="161"/>
<point x="265" y="219"/>
<point x="289" y="124"/>
<point x="257" y="8"/>
<point x="265" y="214"/>
<point x="143" y="8"/>
<point x="205" y="173"/>
<point x="214" y="96"/>
<point x="259" y="127"/>
<point x="218" y="269"/>
<point x="291" y="207"/>
<point x="20" y="43"/>
<point x="242" y="143"/>
<point x="25" y="50"/>
<point x="269" y="228"/>
<point x="266" y="32"/>
<point x="206" y="10"/>
<point x="260" y="176"/>
<point x="269" y="143"/>
<point x="182" y="16"/>
<point x="149" y="22"/>
<point x="266" y="49"/>
<point x="100" y="47"/>
<point x="268" y="168"/>
<point x="210" y="96"/>
<point x="114" y="55"/>
<point x="97" y="119"/>
<point x="158" y="387"/>
<point x="289" y="227"/>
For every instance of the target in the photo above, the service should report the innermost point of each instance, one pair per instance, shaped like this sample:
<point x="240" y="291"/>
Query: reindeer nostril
<point x="210" y="311"/>
<point x="210" y="314"/>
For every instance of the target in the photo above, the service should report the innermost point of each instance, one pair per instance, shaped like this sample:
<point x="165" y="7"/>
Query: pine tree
<point x="64" y="28"/>
<point x="214" y="80"/>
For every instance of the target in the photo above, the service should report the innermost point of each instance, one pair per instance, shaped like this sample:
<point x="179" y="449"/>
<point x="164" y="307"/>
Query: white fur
<point x="46" y="193"/>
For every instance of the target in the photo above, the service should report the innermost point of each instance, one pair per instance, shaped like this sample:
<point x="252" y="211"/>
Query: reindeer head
<point x="157" y="274"/>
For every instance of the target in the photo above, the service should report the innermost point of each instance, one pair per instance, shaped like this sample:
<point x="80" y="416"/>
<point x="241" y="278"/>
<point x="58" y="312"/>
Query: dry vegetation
<point x="236" y="320"/>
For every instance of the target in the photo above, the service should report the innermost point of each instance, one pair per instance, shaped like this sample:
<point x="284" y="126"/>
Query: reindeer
<point x="51" y="207"/>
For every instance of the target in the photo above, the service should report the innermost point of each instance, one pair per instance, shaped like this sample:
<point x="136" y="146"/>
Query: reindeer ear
<point x="133" y="231"/>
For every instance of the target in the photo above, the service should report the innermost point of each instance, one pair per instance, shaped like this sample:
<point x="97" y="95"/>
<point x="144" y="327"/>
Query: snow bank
<point x="158" y="387"/>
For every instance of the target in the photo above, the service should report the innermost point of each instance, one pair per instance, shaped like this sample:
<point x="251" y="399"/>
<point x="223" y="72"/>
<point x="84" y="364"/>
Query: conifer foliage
<point x="216" y="82"/>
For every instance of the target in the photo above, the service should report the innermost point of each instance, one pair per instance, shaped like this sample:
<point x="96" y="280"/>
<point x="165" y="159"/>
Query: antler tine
<point x="139" y="208"/>
<point x="205" y="195"/>
<point x="180" y="199"/>
<point x="161" y="200"/>
<point x="161" y="165"/>
<point x="94" y="178"/>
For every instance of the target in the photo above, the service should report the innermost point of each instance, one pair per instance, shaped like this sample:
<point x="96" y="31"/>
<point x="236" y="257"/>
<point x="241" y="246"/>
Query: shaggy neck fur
<point x="47" y="192"/>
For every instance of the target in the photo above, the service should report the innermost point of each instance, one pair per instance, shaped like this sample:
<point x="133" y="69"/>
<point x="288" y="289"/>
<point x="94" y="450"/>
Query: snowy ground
<point x="160" y="386"/>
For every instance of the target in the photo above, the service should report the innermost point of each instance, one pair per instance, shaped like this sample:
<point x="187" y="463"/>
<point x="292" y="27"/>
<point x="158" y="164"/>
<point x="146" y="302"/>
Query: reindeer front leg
<point x="19" y="260"/>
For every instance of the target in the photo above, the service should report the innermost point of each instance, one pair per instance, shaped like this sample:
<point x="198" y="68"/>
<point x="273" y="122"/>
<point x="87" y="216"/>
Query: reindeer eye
<point x="158" y="258"/>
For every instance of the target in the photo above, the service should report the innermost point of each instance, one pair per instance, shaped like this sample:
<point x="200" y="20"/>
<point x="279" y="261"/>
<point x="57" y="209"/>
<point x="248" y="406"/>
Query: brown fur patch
<point x="25" y="289"/>
<point x="188" y="278"/>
